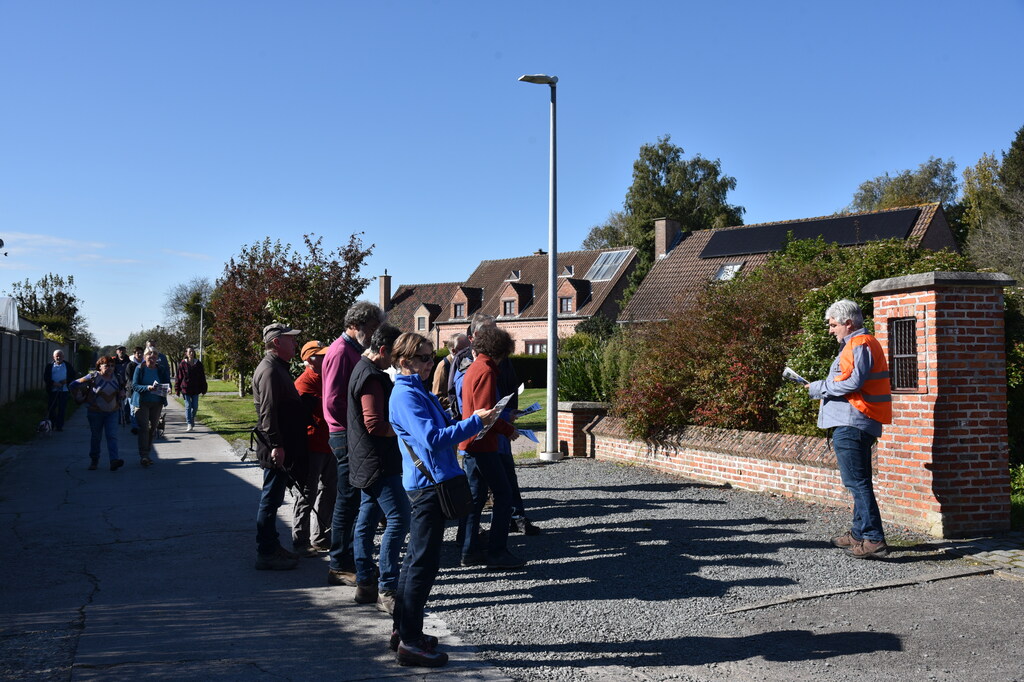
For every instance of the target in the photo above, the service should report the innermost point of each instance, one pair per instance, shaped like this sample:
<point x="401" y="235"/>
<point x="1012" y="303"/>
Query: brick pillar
<point x="572" y="418"/>
<point x="943" y="464"/>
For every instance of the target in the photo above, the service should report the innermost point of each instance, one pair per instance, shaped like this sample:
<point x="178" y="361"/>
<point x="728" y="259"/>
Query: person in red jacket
<point x="316" y="474"/>
<point x="482" y="460"/>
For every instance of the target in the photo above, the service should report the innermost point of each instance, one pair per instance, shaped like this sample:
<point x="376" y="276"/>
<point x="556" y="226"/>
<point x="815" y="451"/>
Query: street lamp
<point x="552" y="452"/>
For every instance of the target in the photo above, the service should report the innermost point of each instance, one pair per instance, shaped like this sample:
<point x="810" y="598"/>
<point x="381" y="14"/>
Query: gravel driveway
<point x="635" y="572"/>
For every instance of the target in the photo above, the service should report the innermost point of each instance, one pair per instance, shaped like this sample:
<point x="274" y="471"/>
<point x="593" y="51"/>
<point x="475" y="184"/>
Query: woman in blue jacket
<point x="421" y="424"/>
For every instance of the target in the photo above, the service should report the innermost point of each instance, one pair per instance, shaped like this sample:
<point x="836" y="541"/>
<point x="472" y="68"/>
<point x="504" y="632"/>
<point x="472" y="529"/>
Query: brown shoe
<point x="843" y="541"/>
<point x="366" y="594"/>
<point x="866" y="549"/>
<point x="346" y="578"/>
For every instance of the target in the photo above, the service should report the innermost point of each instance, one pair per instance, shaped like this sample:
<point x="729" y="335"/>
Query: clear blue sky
<point x="143" y="143"/>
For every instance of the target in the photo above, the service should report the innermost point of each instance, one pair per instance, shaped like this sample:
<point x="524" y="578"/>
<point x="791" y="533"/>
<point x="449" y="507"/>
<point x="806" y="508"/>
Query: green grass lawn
<point x="218" y="386"/>
<point x="20" y="418"/>
<point x="228" y="416"/>
<point x="538" y="420"/>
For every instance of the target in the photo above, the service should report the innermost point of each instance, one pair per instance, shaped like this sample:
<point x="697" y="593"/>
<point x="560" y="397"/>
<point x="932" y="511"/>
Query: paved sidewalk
<point x="148" y="573"/>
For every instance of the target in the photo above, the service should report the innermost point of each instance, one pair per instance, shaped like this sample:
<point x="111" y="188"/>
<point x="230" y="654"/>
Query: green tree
<point x="934" y="180"/>
<point x="52" y="303"/>
<point x="1011" y="172"/>
<point x="665" y="185"/>
<point x="998" y="243"/>
<point x="982" y="198"/>
<point x="270" y="282"/>
<point x="187" y="309"/>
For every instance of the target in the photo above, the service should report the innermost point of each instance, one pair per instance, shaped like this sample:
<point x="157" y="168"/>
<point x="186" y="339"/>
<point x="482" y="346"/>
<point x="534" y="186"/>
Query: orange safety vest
<point x="874" y="399"/>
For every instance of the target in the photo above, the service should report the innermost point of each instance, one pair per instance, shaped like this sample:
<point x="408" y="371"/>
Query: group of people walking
<point x="123" y="390"/>
<point x="393" y="445"/>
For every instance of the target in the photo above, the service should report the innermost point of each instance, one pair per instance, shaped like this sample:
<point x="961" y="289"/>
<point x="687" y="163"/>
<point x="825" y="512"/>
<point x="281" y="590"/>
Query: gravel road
<point x="635" y="572"/>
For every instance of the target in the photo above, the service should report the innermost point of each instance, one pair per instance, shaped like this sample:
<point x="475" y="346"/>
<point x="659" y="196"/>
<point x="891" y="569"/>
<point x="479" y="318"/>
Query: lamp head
<point x="540" y="79"/>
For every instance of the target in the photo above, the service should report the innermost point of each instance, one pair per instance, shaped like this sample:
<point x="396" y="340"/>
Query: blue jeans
<point x="486" y="470"/>
<point x="346" y="507"/>
<point x="275" y="481"/>
<point x="388" y="496"/>
<point x="505" y="450"/>
<point x="100" y="422"/>
<point x="853" y="454"/>
<point x="422" y="559"/>
<point x="58" y="407"/>
<point x="191" y="407"/>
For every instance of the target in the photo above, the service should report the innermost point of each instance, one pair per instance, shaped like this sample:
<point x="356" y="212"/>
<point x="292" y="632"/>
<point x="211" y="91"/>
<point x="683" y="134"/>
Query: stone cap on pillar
<point x="931" y="280"/>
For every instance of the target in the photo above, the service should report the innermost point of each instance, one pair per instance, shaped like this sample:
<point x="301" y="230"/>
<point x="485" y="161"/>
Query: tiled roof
<point x="676" y="280"/>
<point x="409" y="297"/>
<point x="491" y="275"/>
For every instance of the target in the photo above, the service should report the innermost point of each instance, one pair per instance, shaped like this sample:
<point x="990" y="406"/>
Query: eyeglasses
<point x="425" y="357"/>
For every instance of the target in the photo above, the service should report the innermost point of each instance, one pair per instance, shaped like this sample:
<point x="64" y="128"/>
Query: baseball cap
<point x="312" y="348"/>
<point x="272" y="331"/>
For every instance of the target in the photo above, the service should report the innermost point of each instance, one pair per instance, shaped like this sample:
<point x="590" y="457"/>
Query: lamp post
<point x="551" y="452"/>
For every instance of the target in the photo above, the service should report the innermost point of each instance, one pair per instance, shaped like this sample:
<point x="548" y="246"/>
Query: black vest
<point x="369" y="456"/>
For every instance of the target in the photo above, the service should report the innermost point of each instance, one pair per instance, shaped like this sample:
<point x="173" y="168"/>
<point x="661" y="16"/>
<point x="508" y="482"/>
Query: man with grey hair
<point x="281" y="421"/>
<point x="855" y="402"/>
<point x="361" y="321"/>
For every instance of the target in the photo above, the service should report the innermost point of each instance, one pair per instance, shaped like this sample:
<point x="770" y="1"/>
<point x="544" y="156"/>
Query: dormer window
<point x="508" y="307"/>
<point x="565" y="304"/>
<point x="458" y="310"/>
<point x="514" y="276"/>
<point x="728" y="271"/>
<point x="568" y="271"/>
<point x="421" y="324"/>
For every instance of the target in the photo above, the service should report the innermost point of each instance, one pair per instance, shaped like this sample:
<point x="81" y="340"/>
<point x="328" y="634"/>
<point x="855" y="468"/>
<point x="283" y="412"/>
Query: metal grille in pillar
<point x="903" y="353"/>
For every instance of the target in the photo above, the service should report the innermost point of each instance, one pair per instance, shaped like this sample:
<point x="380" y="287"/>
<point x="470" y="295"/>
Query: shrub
<point x="579" y="368"/>
<point x="722" y="367"/>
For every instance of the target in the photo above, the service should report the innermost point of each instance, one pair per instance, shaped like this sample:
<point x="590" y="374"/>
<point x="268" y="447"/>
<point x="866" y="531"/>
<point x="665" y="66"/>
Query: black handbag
<point x="454" y="494"/>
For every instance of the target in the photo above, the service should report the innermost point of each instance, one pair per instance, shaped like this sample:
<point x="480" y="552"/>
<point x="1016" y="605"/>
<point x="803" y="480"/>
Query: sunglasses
<point x="425" y="357"/>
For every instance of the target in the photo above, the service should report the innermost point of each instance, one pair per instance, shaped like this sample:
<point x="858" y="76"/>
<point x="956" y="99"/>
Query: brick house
<point x="515" y="292"/>
<point x="416" y="307"/>
<point x="687" y="263"/>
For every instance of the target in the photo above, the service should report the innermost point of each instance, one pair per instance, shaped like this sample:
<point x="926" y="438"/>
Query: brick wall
<point x="940" y="467"/>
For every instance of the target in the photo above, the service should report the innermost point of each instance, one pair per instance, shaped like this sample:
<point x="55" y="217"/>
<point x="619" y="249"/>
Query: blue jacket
<point x="418" y="419"/>
<point x="140" y="391"/>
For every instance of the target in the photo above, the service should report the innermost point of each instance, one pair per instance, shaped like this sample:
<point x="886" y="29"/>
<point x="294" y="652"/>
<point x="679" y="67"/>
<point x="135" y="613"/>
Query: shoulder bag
<point x="454" y="494"/>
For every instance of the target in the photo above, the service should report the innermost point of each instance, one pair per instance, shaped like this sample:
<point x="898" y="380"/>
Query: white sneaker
<point x="189" y="427"/>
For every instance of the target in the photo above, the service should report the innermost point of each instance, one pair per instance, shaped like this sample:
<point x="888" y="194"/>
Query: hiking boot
<point x="146" y="462"/>
<point x="504" y="559"/>
<point x="868" y="549"/>
<point x="281" y="551"/>
<point x="429" y="641"/>
<point x="306" y="551"/>
<point x="843" y="541"/>
<point x="346" y="578"/>
<point x="420" y="655"/>
<point x="275" y="562"/>
<point x="116" y="464"/>
<point x="473" y="559"/>
<point x="366" y="594"/>
<point x="524" y="526"/>
<point x="386" y="603"/>
<point x="94" y="464"/>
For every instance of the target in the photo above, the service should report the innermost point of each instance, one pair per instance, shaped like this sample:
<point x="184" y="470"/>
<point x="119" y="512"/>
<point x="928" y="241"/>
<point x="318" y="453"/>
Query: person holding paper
<point x="855" y="402"/>
<point x="483" y="461"/>
<point x="149" y="396"/>
<point x="423" y="430"/>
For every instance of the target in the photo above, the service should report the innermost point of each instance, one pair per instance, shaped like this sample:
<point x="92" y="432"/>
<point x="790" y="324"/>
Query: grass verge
<point x="230" y="417"/>
<point x="1017" y="497"/>
<point x="218" y="386"/>
<point x="20" y="418"/>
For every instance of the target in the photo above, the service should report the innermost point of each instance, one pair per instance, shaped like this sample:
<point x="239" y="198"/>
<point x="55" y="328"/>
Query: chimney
<point x="665" y="232"/>
<point x="385" y="291"/>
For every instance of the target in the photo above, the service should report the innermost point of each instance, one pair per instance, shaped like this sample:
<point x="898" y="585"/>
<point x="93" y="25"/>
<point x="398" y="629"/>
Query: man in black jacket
<point x="281" y="421"/>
